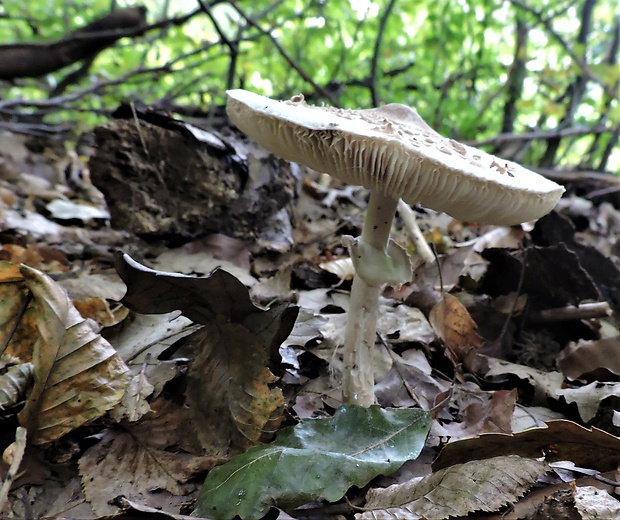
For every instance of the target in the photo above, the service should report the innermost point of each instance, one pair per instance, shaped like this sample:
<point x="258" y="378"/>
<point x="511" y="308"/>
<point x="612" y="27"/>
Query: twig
<point x="585" y="311"/>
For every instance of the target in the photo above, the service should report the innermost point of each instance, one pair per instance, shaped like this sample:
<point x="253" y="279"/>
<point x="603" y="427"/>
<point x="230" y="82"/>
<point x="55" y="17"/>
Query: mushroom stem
<point x="411" y="224"/>
<point x="358" y="374"/>
<point x="358" y="380"/>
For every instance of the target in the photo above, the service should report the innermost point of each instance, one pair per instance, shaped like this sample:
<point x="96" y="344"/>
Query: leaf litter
<point x="223" y="343"/>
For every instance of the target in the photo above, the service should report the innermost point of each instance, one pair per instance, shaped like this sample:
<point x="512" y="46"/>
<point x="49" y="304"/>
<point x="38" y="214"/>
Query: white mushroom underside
<point x="392" y="150"/>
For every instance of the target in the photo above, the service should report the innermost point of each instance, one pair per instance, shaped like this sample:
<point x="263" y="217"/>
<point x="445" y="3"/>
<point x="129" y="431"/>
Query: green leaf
<point x="318" y="458"/>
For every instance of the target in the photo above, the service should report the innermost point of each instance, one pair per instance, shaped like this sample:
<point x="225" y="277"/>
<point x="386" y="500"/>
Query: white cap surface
<point x="392" y="150"/>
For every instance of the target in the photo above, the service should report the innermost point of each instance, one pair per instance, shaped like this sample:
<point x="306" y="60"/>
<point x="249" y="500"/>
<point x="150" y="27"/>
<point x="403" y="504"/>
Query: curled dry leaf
<point x="77" y="374"/>
<point x="558" y="440"/>
<point x="199" y="298"/>
<point x="14" y="384"/>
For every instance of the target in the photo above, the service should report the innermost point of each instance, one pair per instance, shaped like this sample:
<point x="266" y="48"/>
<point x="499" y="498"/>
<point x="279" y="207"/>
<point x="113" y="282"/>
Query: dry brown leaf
<point x="545" y="384"/>
<point x="134" y="403"/>
<point x="453" y="324"/>
<point x="229" y="391"/>
<point x="97" y="309"/>
<point x="559" y="440"/>
<point x="142" y="459"/>
<point x="550" y="385"/>
<point x="14" y="383"/>
<point x="410" y="371"/>
<point x="528" y="417"/>
<point x="38" y="256"/>
<point x="484" y="485"/>
<point x="77" y="374"/>
<point x="593" y="503"/>
<point x="142" y="340"/>
<point x="487" y="412"/>
<point x="122" y="464"/>
<point x="596" y="360"/>
<point x="229" y="387"/>
<point x="588" y="398"/>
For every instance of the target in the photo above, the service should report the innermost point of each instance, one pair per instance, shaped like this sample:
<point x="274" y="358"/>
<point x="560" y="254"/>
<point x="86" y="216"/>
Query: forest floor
<point x="134" y="383"/>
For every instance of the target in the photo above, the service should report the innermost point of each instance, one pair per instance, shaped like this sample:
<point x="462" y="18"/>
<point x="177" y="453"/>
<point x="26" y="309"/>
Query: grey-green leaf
<point x="318" y="458"/>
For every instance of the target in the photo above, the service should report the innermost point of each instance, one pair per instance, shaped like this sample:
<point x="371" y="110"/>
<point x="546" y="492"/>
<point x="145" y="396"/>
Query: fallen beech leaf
<point x="316" y="458"/>
<point x="455" y="327"/>
<point x="77" y="374"/>
<point x="483" y="485"/>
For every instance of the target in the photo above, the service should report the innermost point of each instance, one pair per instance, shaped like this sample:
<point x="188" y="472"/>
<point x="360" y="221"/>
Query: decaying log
<point x="164" y="179"/>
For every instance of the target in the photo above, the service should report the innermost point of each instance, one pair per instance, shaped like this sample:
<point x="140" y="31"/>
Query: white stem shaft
<point x="358" y="373"/>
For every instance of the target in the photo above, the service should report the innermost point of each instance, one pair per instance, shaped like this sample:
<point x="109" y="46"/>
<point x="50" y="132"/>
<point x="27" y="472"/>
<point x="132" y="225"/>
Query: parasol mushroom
<point x="392" y="152"/>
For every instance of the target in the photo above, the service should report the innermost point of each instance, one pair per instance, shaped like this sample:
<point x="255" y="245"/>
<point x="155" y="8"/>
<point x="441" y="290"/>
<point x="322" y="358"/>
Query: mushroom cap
<point x="391" y="149"/>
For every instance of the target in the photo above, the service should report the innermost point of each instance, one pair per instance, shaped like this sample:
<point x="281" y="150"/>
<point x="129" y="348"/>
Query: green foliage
<point x="316" y="458"/>
<point x="453" y="61"/>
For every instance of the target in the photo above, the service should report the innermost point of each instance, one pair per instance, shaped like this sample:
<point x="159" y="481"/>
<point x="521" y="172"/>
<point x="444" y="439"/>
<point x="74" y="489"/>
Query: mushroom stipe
<point x="392" y="152"/>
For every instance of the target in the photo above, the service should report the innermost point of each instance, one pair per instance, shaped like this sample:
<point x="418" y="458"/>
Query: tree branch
<point x="306" y="77"/>
<point x="377" y="51"/>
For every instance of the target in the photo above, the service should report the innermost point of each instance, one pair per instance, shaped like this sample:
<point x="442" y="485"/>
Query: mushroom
<point x="392" y="152"/>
